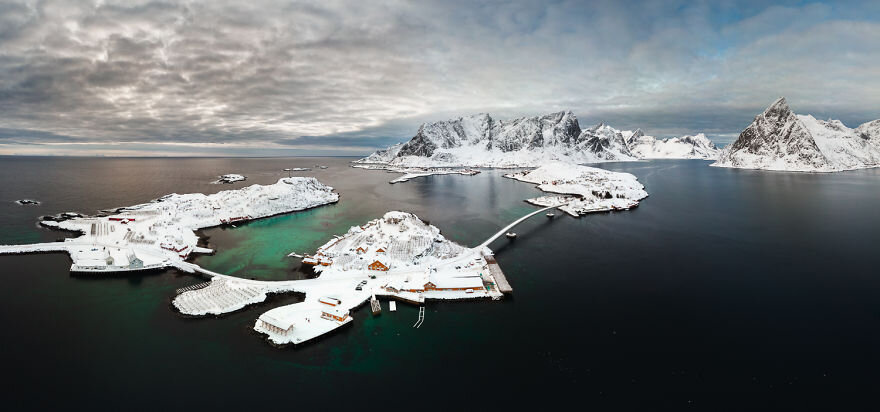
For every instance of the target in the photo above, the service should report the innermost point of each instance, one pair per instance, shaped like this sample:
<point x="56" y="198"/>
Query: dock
<point x="500" y="279"/>
<point x="375" y="306"/>
<point x="421" y="318"/>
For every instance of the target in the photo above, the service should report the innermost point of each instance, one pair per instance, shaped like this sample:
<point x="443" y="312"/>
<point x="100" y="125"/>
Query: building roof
<point x="286" y="316"/>
<point x="444" y="282"/>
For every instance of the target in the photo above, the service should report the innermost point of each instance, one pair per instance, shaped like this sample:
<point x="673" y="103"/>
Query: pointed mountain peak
<point x="638" y="133"/>
<point x="779" y="106"/>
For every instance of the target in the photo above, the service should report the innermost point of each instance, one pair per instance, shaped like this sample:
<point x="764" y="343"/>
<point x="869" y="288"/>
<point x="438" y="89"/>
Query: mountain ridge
<point x="480" y="141"/>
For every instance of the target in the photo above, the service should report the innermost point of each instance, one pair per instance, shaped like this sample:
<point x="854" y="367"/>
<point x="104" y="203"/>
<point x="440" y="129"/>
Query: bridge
<point x="510" y="226"/>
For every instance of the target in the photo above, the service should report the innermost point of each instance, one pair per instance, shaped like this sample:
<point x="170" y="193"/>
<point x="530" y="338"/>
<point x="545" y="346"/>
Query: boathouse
<point x="377" y="265"/>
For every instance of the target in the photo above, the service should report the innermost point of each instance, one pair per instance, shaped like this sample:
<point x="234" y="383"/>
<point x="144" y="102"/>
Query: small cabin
<point x="377" y="265"/>
<point x="361" y="250"/>
<point x="380" y="250"/>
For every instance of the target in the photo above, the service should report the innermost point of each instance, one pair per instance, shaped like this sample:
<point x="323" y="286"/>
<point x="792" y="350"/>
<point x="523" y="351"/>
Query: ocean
<point x="724" y="289"/>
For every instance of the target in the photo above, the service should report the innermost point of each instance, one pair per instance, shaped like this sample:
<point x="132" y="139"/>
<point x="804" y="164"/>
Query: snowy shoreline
<point x="410" y="173"/>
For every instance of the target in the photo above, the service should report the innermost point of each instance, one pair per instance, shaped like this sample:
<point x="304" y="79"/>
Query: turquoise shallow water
<point x="724" y="288"/>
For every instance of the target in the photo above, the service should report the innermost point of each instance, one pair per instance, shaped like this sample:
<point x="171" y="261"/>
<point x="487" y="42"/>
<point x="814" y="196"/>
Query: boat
<point x="510" y="235"/>
<point x="392" y="306"/>
<point x="550" y="215"/>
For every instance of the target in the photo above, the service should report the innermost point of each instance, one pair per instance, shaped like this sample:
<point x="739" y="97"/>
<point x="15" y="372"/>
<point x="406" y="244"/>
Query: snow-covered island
<point x="410" y="173"/>
<point x="582" y="189"/>
<point x="25" y="202"/>
<point x="778" y="139"/>
<point x="481" y="141"/>
<point x="161" y="233"/>
<point x="230" y="178"/>
<point x="398" y="256"/>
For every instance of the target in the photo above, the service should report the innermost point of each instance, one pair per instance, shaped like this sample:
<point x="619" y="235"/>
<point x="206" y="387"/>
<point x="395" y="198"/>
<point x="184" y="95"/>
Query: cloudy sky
<point x="331" y="77"/>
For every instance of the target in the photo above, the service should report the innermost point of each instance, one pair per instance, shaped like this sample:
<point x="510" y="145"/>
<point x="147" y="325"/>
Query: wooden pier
<point x="375" y="306"/>
<point x="500" y="279"/>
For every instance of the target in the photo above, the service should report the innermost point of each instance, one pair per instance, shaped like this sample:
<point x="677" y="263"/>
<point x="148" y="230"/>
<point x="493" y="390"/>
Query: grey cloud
<point x="363" y="74"/>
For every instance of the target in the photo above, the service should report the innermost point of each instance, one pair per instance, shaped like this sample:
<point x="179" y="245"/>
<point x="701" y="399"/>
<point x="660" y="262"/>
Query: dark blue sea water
<point x="726" y="289"/>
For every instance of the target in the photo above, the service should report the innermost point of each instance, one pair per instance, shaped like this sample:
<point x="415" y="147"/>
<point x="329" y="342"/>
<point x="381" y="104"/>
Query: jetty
<point x="500" y="280"/>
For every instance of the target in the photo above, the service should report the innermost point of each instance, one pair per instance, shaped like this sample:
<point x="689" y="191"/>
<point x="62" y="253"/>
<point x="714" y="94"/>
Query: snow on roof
<point x="287" y="316"/>
<point x="445" y="282"/>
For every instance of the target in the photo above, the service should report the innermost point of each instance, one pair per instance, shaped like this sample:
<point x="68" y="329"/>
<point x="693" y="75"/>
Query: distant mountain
<point x="779" y="139"/>
<point x="481" y="141"/>
<point x="684" y="147"/>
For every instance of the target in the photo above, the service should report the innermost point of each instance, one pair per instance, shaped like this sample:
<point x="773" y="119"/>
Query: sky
<point x="282" y="78"/>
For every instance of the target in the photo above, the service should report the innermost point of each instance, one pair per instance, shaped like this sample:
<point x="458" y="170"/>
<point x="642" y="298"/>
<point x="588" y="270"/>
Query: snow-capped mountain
<point x="779" y="139"/>
<point x="684" y="147"/>
<point x="481" y="141"/>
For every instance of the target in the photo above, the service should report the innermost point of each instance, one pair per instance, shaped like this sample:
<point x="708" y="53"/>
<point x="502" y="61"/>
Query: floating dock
<point x="500" y="279"/>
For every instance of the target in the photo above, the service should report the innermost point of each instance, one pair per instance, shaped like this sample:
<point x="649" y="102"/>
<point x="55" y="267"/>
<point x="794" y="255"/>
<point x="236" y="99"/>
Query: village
<point x="397" y="257"/>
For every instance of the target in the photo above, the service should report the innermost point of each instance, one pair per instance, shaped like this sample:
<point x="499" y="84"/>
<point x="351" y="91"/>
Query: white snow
<point x="583" y="189"/>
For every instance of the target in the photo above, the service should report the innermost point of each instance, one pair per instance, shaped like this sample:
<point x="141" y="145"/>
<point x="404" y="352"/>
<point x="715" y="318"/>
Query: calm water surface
<point x="725" y="289"/>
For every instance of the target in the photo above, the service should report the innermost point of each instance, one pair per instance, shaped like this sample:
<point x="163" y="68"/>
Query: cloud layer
<point x="344" y="77"/>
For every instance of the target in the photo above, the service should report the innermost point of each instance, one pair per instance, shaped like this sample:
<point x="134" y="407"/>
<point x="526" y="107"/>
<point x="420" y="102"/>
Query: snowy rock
<point x="778" y="139"/>
<point x="27" y="202"/>
<point x="231" y="178"/>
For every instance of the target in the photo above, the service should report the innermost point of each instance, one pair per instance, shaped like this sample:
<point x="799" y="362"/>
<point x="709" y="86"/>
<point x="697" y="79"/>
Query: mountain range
<point x="481" y="141"/>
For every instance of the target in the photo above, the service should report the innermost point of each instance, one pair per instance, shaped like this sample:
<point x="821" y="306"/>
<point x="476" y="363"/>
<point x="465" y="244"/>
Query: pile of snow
<point x="778" y="139"/>
<point x="583" y="189"/>
<point x="481" y="141"/>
